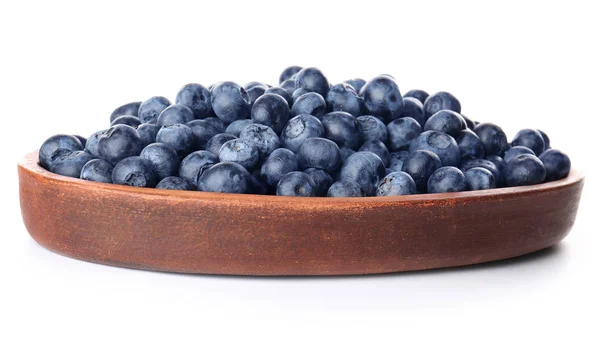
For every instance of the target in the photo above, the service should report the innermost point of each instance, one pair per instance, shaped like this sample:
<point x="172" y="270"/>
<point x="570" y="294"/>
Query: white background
<point x="65" y="66"/>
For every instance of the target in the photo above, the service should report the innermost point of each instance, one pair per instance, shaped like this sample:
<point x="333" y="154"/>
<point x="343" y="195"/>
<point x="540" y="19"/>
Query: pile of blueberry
<point x="305" y="137"/>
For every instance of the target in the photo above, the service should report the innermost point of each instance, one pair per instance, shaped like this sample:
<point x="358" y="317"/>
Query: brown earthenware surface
<point x="212" y="233"/>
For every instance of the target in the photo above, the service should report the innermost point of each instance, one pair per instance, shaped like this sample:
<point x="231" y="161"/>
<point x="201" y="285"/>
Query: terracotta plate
<point x="198" y="232"/>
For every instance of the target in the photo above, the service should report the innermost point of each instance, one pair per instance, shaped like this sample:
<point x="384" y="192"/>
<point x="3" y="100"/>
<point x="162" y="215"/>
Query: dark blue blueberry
<point x="447" y="179"/>
<point x="322" y="180"/>
<point x="91" y="146"/>
<point x="441" y="144"/>
<point x="147" y="132"/>
<point x="81" y="139"/>
<point x="345" y="153"/>
<point x="345" y="189"/>
<point x="546" y="139"/>
<point x="500" y="165"/>
<point x="343" y="128"/>
<point x="343" y="97"/>
<point x="195" y="164"/>
<point x="312" y="79"/>
<point x="356" y="83"/>
<point x="271" y="110"/>
<point x="132" y="121"/>
<point x="557" y="164"/>
<point x="278" y="164"/>
<point x="264" y="137"/>
<point x="440" y="101"/>
<point x="226" y="177"/>
<point x="515" y="151"/>
<point x="56" y="142"/>
<point x="150" y="109"/>
<point x="135" y="171"/>
<point x="469" y="145"/>
<point x="214" y="144"/>
<point x="255" y="92"/>
<point x="129" y="109"/>
<point x="397" y="159"/>
<point x="288" y="72"/>
<point x="396" y="184"/>
<point x="68" y="163"/>
<point x="493" y="138"/>
<point x="524" y="170"/>
<point x="300" y="128"/>
<point x="174" y="183"/>
<point x="469" y="122"/>
<point x="310" y="103"/>
<point x="282" y="92"/>
<point x="296" y="183"/>
<point x="382" y="98"/>
<point x="119" y="142"/>
<point x="419" y="95"/>
<point x="236" y="127"/>
<point x="483" y="163"/>
<point x="319" y="153"/>
<point x="217" y="123"/>
<point x="378" y="148"/>
<point x="366" y="169"/>
<point x="531" y="139"/>
<point x="414" y="109"/>
<point x="373" y="128"/>
<point x="179" y="136"/>
<point x="163" y="157"/>
<point x="175" y="114"/>
<point x="479" y="178"/>
<point x="257" y="185"/>
<point x="230" y="101"/>
<point x="251" y="84"/>
<point x="401" y="133"/>
<point x="203" y="131"/>
<point x="299" y="93"/>
<point x="241" y="151"/>
<point x="197" y="98"/>
<point x="446" y="121"/>
<point x="420" y="165"/>
<point x="288" y="85"/>
<point x="97" y="170"/>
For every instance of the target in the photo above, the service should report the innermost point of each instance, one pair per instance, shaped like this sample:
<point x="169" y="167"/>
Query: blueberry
<point x="132" y="121"/>
<point x="493" y="138"/>
<point x="446" y="121"/>
<point x="180" y="137"/>
<point x="397" y="159"/>
<point x="441" y="144"/>
<point x="499" y="163"/>
<point x="226" y="177"/>
<point x="322" y="180"/>
<point x="236" y="127"/>
<point x="67" y="142"/>
<point x="119" y="142"/>
<point x="81" y="139"/>
<point x="420" y="165"/>
<point x="174" y="183"/>
<point x="197" y="98"/>
<point x="312" y="79"/>
<point x="195" y="164"/>
<point x="483" y="163"/>
<point x="440" y="101"/>
<point x="546" y="139"/>
<point x="203" y="131"/>
<point x="288" y="72"/>
<point x="264" y="137"/>
<point x="288" y="85"/>
<point x="524" y="170"/>
<point x="271" y="110"/>
<point x="356" y="83"/>
<point x="378" y="148"/>
<point x="300" y="128"/>
<point x="469" y="122"/>
<point x="147" y="132"/>
<point x="343" y="128"/>
<point x="373" y="128"/>
<point x="478" y="178"/>
<point x="345" y="189"/>
<point x="163" y="157"/>
<point x="135" y="171"/>
<point x="366" y="169"/>
<point x="296" y="183"/>
<point x="175" y="114"/>
<point x="230" y="101"/>
<point x="129" y="109"/>
<point x="345" y="153"/>
<point x="531" y="139"/>
<point x="278" y="164"/>
<point x="319" y="153"/>
<point x="97" y="170"/>
<point x="557" y="164"/>
<point x="515" y="151"/>
<point x="255" y="92"/>
<point x="68" y="163"/>
<point x="299" y="93"/>
<point x="382" y="98"/>
<point x="150" y="109"/>
<point x="241" y="151"/>
<point x="419" y="95"/>
<point x="251" y="84"/>
<point x="470" y="145"/>
<point x="216" y="123"/>
<point x="396" y="184"/>
<point x="447" y="179"/>
<point x="414" y="109"/>
<point x="401" y="132"/>
<point x="282" y="92"/>
<point x="214" y="144"/>
<point x="343" y="97"/>
<point x="310" y="103"/>
<point x="257" y="185"/>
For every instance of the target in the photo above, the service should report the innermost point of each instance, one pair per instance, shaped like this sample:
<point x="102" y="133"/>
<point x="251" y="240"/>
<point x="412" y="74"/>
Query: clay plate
<point x="212" y="233"/>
